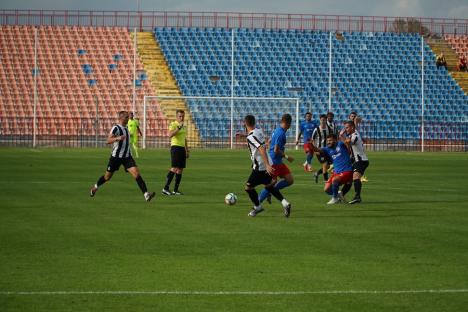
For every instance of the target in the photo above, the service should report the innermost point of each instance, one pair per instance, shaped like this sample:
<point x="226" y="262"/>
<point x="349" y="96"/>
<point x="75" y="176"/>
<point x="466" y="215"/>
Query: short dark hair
<point x="122" y="113"/>
<point x="332" y="135"/>
<point x="323" y="116"/>
<point x="308" y="113"/>
<point x="286" y="118"/>
<point x="353" y="113"/>
<point x="180" y="111"/>
<point x="250" y="120"/>
<point x="330" y="114"/>
<point x="349" y="122"/>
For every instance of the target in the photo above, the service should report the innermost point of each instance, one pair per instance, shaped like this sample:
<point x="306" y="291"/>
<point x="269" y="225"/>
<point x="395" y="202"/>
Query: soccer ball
<point x="230" y="199"/>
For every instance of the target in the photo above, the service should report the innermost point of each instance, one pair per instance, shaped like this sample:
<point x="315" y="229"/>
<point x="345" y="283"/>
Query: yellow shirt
<point x="132" y="126"/>
<point x="179" y="138"/>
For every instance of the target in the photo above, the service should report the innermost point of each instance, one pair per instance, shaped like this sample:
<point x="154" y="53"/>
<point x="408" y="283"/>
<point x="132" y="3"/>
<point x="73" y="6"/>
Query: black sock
<point x="169" y="177"/>
<point x="325" y="176"/>
<point x="253" y="197"/>
<point x="357" y="187"/>
<point x="345" y="189"/>
<point x="320" y="172"/>
<point x="275" y="192"/>
<point x="141" y="184"/>
<point x="101" y="181"/>
<point x="178" y="177"/>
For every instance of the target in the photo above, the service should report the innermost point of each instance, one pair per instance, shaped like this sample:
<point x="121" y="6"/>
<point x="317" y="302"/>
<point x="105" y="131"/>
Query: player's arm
<point x="139" y="131"/>
<point x="173" y="129"/>
<point x="298" y="137"/>
<point x="262" y="151"/>
<point x="113" y="137"/>
<point x="187" y="151"/>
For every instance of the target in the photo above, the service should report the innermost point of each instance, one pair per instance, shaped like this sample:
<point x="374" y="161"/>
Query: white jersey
<point x="121" y="149"/>
<point x="256" y="139"/>
<point x="357" y="147"/>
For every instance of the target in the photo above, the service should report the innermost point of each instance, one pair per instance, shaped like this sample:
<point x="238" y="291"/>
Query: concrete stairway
<point x="441" y="46"/>
<point x="160" y="76"/>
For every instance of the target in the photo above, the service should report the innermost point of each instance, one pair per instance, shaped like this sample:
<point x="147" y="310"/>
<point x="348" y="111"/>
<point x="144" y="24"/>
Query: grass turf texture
<point x="410" y="233"/>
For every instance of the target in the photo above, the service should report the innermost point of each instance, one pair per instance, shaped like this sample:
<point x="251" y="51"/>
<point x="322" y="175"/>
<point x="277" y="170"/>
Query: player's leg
<point x="134" y="141"/>
<point x="178" y="178"/>
<point x="181" y="159"/>
<point x="273" y="190"/>
<point x="309" y="156"/>
<point x="172" y="172"/>
<point x="132" y="168"/>
<point x="254" y="180"/>
<point x="359" y="169"/>
<point x="112" y="166"/>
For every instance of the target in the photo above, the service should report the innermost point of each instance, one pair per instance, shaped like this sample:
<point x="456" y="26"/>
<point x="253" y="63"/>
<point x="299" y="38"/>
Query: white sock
<point x="146" y="194"/>
<point x="284" y="202"/>
<point x="258" y="207"/>
<point x="96" y="186"/>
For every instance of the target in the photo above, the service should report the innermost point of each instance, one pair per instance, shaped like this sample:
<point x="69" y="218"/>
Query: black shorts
<point x="178" y="157"/>
<point x="114" y="163"/>
<point x="259" y="177"/>
<point x="360" y="166"/>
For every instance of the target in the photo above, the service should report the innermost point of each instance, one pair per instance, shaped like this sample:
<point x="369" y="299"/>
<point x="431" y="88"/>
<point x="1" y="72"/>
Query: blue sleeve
<point x="283" y="141"/>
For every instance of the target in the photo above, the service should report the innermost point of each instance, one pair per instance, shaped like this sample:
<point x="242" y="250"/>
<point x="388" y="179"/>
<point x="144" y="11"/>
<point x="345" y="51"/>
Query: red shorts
<point x="345" y="177"/>
<point x="307" y="148"/>
<point x="281" y="170"/>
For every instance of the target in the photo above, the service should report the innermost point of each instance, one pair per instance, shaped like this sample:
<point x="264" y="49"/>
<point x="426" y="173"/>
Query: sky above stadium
<point x="417" y="8"/>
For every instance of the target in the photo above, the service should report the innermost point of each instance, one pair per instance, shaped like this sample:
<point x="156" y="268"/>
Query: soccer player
<point x="134" y="129"/>
<point x="179" y="153"/>
<point x="338" y="152"/>
<point x="361" y="162"/>
<point x="331" y="123"/>
<point x="319" y="137"/>
<point x="276" y="153"/>
<point x="306" y="128"/>
<point x="261" y="169"/>
<point x="119" y="137"/>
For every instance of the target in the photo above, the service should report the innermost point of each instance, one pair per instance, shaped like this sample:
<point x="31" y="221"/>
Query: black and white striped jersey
<point x="255" y="139"/>
<point x="333" y="127"/>
<point x="357" y="147"/>
<point x="121" y="149"/>
<point x="319" y="136"/>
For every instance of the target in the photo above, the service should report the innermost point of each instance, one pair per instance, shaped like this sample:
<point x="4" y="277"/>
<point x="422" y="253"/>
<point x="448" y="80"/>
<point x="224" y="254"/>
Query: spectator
<point x="462" y="64"/>
<point x="440" y="61"/>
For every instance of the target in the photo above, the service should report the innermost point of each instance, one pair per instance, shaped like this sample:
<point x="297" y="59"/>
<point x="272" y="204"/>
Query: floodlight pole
<point x="232" y="88"/>
<point x="422" y="94"/>
<point x="35" y="71"/>
<point x="134" y="68"/>
<point x="297" y="121"/>
<point x="144" y="122"/>
<point x="330" y="73"/>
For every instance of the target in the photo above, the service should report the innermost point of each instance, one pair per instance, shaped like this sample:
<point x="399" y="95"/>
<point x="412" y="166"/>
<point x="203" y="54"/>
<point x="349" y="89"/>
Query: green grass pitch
<point x="405" y="248"/>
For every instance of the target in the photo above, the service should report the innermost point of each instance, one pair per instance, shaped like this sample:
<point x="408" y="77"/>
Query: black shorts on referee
<point x="178" y="156"/>
<point x="114" y="163"/>
<point x="360" y="166"/>
<point x="259" y="177"/>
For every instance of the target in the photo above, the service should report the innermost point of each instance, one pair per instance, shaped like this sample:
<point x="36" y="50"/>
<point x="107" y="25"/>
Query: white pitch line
<point x="233" y="293"/>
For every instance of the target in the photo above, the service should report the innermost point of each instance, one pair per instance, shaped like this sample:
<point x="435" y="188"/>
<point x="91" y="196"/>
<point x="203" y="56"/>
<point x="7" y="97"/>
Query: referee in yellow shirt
<point x="179" y="153"/>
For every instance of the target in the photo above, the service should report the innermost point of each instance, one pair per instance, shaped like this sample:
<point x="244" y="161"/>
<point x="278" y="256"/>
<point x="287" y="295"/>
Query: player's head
<point x="349" y="127"/>
<point x="130" y="115"/>
<point x="323" y="119"/>
<point x="249" y="121"/>
<point x="286" y="121"/>
<point x="330" y="116"/>
<point x="180" y="115"/>
<point x="352" y="116"/>
<point x="308" y="116"/>
<point x="331" y="140"/>
<point x="123" y="117"/>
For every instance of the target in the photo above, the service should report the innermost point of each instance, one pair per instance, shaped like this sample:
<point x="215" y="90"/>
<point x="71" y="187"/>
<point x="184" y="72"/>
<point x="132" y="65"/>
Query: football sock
<point x="325" y="176"/>
<point x="281" y="185"/>
<point x="178" y="178"/>
<point x="345" y="189"/>
<point x="275" y="192"/>
<point x="320" y="171"/>
<point x="169" y="177"/>
<point x="263" y="195"/>
<point x="335" y="187"/>
<point x="101" y="181"/>
<point x="141" y="184"/>
<point x="357" y="187"/>
<point x="309" y="158"/>
<point x="253" y="197"/>
<point x="329" y="191"/>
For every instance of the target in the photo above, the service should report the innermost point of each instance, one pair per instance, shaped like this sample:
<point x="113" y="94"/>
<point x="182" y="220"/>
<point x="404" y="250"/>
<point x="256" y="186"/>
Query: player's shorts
<point x="307" y="148"/>
<point x="360" y="166"/>
<point x="258" y="178"/>
<point x="114" y="163"/>
<point x="178" y="156"/>
<point x="345" y="177"/>
<point x="281" y="170"/>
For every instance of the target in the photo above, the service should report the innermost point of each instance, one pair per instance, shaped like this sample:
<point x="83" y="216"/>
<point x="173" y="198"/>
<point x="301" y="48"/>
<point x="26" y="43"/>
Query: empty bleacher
<point x="377" y="74"/>
<point x="79" y="68"/>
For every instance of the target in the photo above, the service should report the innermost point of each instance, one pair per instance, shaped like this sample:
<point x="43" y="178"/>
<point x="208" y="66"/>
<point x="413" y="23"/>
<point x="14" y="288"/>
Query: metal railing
<point x="148" y="20"/>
